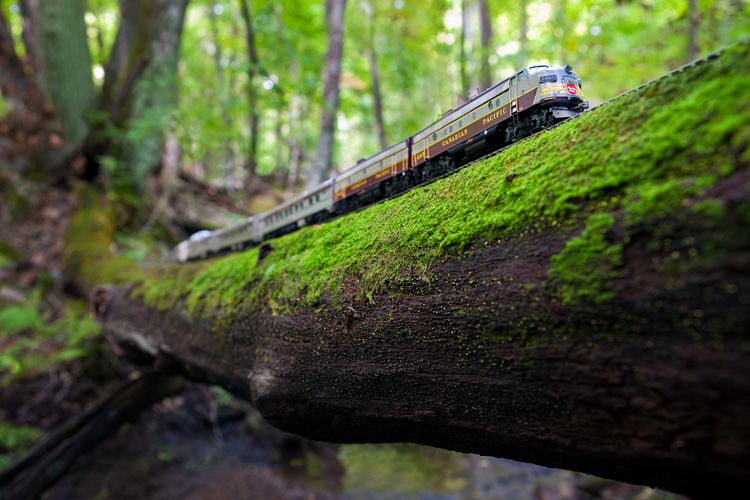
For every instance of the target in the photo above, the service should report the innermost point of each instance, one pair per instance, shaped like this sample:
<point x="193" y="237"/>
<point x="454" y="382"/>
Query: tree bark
<point x="321" y="163"/>
<point x="375" y="77"/>
<point x="31" y="11"/>
<point x="66" y="64"/>
<point x="223" y="92"/>
<point x="463" y="59"/>
<point x="252" y="93"/>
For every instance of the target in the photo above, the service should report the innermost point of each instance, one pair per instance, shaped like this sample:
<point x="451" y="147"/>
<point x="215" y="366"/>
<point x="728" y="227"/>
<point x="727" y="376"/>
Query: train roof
<point x="296" y="199"/>
<point x="377" y="156"/>
<point x="535" y="67"/>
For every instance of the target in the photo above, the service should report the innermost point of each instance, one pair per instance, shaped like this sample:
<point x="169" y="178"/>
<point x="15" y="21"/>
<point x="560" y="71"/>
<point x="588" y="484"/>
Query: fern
<point x="33" y="344"/>
<point x="15" y="440"/>
<point x="19" y="318"/>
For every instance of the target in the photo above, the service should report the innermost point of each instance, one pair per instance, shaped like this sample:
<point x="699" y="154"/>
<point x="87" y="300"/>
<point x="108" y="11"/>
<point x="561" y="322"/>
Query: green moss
<point x="649" y="200"/>
<point x="646" y="152"/>
<point x="584" y="270"/>
<point x="88" y="241"/>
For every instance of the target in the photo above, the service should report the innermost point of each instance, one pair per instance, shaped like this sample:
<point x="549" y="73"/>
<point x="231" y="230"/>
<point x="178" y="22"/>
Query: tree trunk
<point x="463" y="59"/>
<point x="29" y="138"/>
<point x="252" y="93"/>
<point x="139" y="88"/>
<point x="295" y="155"/>
<point x="375" y="77"/>
<point x="321" y="164"/>
<point x="485" y="25"/>
<point x="31" y="11"/>
<point x="66" y="64"/>
<point x="561" y="29"/>
<point x="222" y="92"/>
<point x="694" y="24"/>
<point x="523" y="38"/>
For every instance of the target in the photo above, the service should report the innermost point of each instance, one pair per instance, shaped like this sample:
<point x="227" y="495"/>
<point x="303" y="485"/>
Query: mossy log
<point x="579" y="301"/>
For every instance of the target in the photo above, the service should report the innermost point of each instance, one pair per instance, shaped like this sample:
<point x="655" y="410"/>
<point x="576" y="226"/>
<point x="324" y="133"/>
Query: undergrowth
<point x="15" y="440"/>
<point x="644" y="153"/>
<point x="32" y="340"/>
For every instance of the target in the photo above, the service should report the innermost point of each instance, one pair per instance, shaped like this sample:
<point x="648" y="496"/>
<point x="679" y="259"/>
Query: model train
<point x="532" y="99"/>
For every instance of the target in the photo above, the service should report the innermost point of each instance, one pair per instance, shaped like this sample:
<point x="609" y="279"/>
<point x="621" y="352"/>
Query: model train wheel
<point x="354" y="203"/>
<point x="447" y="163"/>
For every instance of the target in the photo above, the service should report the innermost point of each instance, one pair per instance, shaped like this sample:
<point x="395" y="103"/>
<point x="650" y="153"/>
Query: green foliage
<point x="417" y="50"/>
<point x="33" y="342"/>
<point x="15" y="440"/>
<point x="584" y="270"/>
<point x="616" y="157"/>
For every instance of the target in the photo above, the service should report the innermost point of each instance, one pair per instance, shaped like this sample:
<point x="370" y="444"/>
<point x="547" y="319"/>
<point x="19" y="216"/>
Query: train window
<point x="490" y="105"/>
<point x="450" y="129"/>
<point x="460" y="122"/>
<point x="434" y="136"/>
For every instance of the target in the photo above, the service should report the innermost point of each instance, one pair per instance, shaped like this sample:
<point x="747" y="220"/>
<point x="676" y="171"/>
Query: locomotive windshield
<point x="538" y="67"/>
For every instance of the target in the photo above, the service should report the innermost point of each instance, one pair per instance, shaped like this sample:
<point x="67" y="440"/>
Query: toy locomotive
<point x="532" y="99"/>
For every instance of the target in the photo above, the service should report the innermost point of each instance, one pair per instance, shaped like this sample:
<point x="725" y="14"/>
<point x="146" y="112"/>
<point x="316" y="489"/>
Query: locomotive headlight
<point x="547" y="78"/>
<point x="568" y="68"/>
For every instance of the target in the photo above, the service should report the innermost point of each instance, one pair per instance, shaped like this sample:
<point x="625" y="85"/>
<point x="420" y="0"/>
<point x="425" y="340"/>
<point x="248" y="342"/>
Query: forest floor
<point x="203" y="444"/>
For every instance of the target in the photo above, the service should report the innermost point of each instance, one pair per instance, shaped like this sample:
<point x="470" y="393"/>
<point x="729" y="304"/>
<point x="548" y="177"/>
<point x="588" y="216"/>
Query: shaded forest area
<point x="127" y="126"/>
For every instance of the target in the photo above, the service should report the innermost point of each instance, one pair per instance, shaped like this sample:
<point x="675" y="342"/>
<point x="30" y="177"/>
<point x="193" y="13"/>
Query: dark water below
<point x="405" y="472"/>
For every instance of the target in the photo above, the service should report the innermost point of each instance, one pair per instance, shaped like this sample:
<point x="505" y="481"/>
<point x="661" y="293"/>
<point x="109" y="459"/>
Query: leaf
<point x="67" y="354"/>
<point x="19" y="318"/>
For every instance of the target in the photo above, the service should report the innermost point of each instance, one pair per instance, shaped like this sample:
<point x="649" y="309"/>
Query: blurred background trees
<point x="228" y="98"/>
<point x="239" y="84"/>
